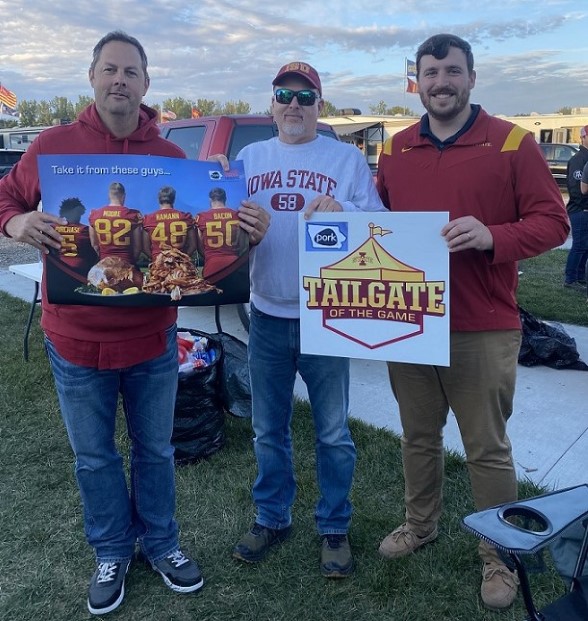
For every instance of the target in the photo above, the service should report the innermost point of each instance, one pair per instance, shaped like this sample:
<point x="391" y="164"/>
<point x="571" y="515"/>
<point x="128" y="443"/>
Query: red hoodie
<point x="20" y="192"/>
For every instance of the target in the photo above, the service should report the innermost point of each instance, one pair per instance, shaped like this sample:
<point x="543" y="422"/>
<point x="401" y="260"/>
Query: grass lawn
<point x="46" y="563"/>
<point x="541" y="290"/>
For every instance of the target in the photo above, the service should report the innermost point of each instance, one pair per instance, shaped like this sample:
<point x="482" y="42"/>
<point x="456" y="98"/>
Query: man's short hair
<point x="166" y="195"/>
<point x="70" y="204"/>
<point x="119" y="35"/>
<point x="438" y="46"/>
<point x="116" y="188"/>
<point x="218" y="194"/>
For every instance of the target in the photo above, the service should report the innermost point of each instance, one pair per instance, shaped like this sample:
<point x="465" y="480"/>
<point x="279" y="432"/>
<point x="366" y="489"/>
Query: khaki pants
<point x="479" y="388"/>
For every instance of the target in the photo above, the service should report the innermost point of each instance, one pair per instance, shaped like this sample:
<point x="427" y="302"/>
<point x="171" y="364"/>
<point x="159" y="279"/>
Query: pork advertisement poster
<point x="375" y="285"/>
<point x="145" y="231"/>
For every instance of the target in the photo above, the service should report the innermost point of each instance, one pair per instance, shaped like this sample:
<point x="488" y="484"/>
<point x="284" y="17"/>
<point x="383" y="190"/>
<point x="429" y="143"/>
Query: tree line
<point x="35" y="113"/>
<point x="60" y="109"/>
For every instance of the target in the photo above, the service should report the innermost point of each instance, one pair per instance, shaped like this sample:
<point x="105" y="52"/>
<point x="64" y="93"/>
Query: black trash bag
<point x="235" y="387"/>
<point x="548" y="344"/>
<point x="199" y="424"/>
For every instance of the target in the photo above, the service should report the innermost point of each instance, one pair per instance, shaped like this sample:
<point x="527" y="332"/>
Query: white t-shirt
<point x="283" y="179"/>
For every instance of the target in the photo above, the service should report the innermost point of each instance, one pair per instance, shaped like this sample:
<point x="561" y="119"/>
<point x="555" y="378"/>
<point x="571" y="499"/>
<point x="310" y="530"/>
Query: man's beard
<point x="461" y="100"/>
<point x="293" y="129"/>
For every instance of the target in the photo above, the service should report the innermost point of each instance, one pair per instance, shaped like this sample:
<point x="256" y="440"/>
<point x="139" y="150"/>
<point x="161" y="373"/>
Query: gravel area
<point x="12" y="252"/>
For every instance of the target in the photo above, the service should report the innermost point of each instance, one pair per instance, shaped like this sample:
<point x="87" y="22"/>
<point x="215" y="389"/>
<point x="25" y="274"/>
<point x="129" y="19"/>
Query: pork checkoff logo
<point x="326" y="236"/>
<point x="369" y="296"/>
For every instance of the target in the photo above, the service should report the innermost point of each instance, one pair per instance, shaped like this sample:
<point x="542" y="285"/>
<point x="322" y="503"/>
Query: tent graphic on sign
<point x="373" y="298"/>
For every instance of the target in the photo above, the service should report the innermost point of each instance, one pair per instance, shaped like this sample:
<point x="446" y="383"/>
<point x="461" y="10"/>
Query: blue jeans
<point x="578" y="255"/>
<point x="274" y="359"/>
<point x="114" y="517"/>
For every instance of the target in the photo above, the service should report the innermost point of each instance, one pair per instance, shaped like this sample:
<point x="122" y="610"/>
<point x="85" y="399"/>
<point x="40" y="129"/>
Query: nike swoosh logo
<point x="405" y="149"/>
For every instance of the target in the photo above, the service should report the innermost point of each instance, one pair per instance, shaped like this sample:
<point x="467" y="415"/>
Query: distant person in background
<point x="584" y="190"/>
<point x="76" y="248"/>
<point x="575" y="274"/>
<point x="115" y="229"/>
<point x="584" y="181"/>
<point x="504" y="206"/>
<point x="168" y="227"/>
<point x="221" y="240"/>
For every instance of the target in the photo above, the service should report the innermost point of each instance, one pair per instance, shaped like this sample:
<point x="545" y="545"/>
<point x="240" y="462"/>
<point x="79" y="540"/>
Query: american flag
<point x="8" y="98"/>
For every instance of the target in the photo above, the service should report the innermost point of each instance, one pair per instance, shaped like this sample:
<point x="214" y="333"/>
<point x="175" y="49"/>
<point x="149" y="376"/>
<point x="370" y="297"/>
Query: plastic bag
<point x="235" y="388"/>
<point x="548" y="344"/>
<point x="199" y="426"/>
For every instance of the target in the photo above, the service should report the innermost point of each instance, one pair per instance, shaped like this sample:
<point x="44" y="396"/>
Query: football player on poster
<point x="76" y="249"/>
<point x="168" y="226"/>
<point x="116" y="229"/>
<point x="221" y="239"/>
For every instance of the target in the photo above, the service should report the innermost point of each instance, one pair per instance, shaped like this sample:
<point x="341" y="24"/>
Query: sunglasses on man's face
<point x="305" y="97"/>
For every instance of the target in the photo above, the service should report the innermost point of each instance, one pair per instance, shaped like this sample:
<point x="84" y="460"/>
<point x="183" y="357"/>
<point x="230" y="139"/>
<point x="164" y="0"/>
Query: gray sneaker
<point x="179" y="572"/>
<point x="107" y="587"/>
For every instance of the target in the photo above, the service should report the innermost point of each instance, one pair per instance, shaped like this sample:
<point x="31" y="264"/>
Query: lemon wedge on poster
<point x="131" y="290"/>
<point x="108" y="291"/>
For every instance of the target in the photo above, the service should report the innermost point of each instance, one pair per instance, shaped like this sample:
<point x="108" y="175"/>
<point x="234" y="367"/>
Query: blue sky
<point x="530" y="55"/>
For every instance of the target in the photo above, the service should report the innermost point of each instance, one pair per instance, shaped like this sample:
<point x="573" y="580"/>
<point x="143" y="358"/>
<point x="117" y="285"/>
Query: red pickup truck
<point x="228" y="134"/>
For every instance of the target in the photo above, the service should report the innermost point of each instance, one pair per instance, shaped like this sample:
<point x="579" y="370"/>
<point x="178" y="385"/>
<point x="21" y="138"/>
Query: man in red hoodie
<point x="96" y="352"/>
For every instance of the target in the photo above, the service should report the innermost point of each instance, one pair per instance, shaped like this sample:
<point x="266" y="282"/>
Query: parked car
<point x="557" y="156"/>
<point x="8" y="158"/>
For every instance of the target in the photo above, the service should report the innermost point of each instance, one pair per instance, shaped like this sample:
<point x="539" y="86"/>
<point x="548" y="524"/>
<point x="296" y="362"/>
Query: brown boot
<point x="499" y="585"/>
<point x="403" y="541"/>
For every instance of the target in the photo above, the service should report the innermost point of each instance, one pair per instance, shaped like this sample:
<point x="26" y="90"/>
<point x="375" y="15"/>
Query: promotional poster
<point x="375" y="285"/>
<point x="145" y="231"/>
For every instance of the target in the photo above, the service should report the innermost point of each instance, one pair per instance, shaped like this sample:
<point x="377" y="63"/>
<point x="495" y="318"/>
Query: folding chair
<point x="526" y="527"/>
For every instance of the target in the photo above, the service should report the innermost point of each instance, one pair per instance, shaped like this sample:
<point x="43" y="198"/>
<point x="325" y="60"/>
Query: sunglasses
<point x="305" y="97"/>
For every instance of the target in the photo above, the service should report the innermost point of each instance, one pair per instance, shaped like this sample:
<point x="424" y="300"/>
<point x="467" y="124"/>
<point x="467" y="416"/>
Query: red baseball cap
<point x="302" y="70"/>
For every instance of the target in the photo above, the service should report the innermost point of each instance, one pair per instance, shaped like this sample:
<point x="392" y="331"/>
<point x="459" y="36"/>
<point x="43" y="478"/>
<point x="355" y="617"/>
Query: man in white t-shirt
<point x="298" y="171"/>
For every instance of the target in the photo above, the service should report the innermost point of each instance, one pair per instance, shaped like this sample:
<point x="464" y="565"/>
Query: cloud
<point x="230" y="50"/>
